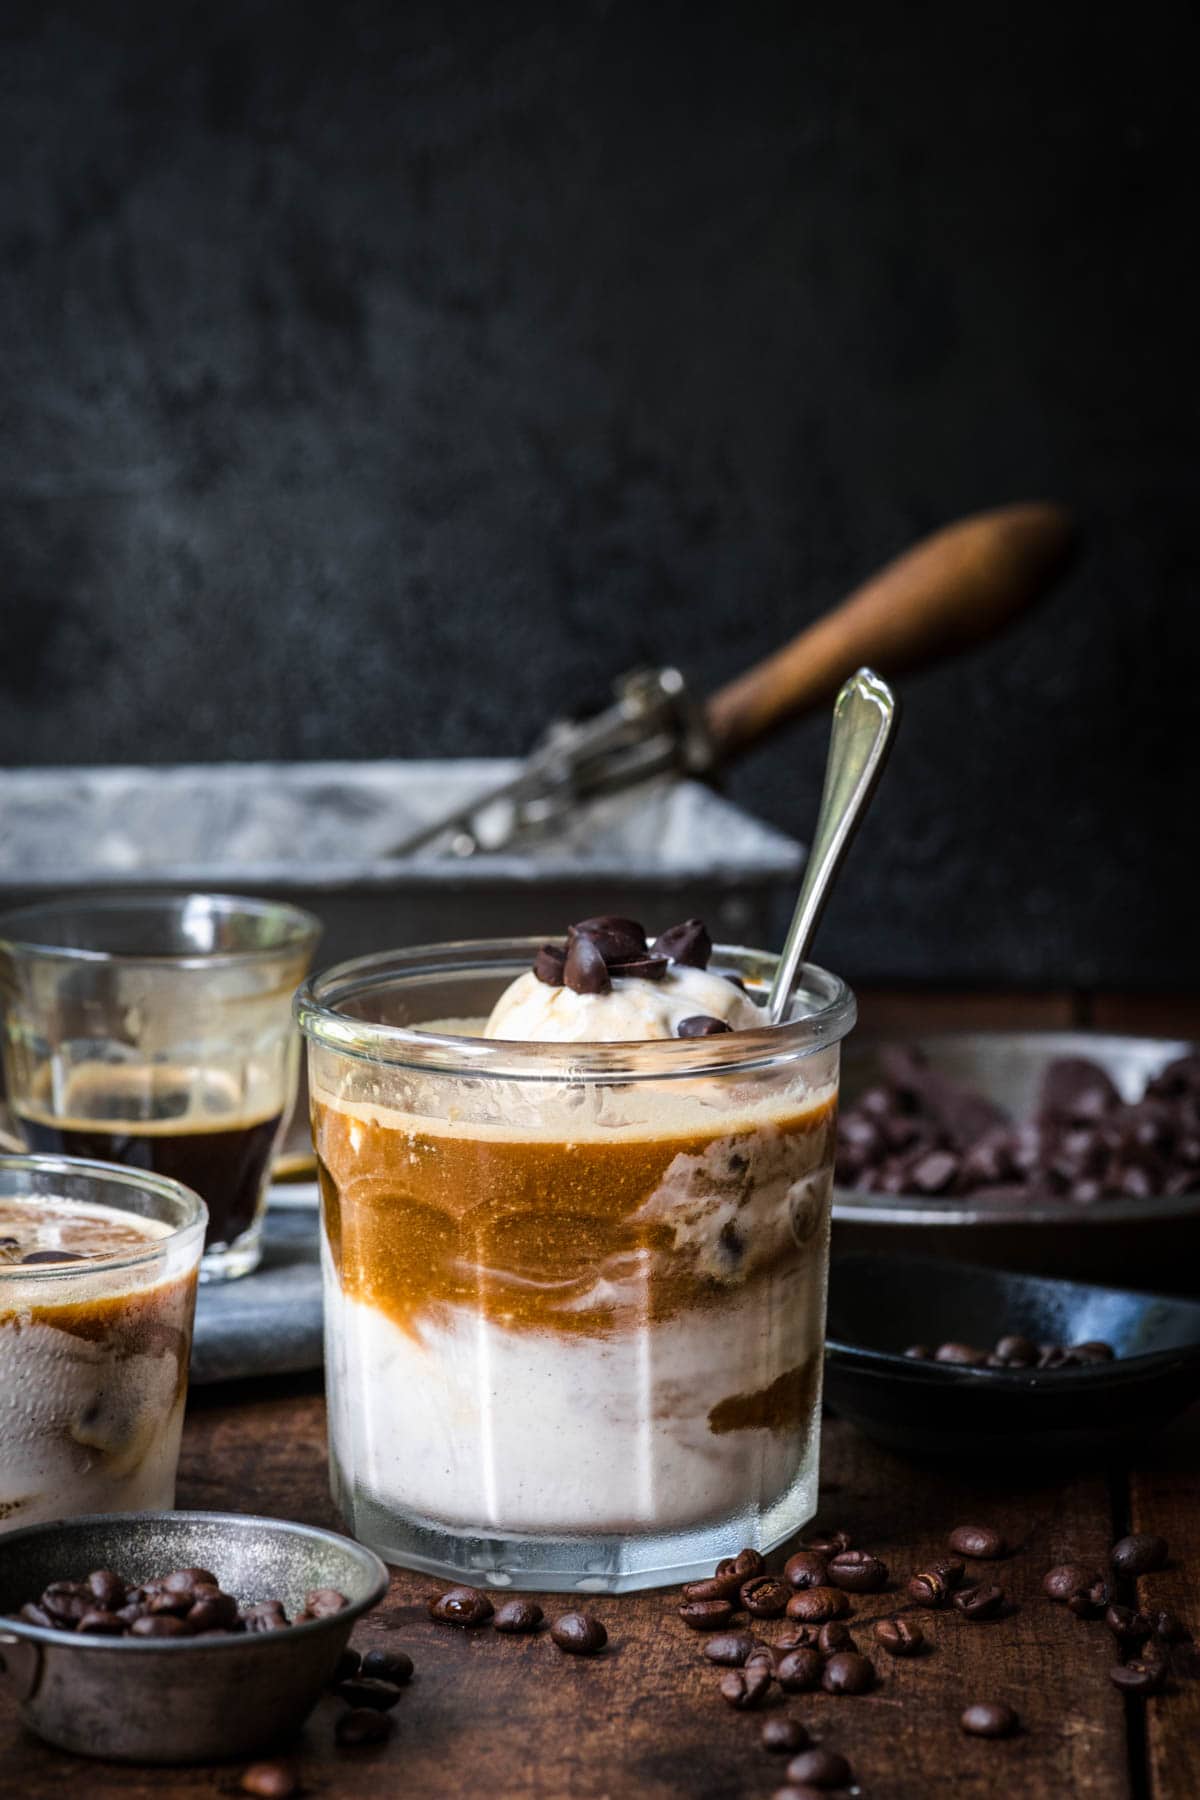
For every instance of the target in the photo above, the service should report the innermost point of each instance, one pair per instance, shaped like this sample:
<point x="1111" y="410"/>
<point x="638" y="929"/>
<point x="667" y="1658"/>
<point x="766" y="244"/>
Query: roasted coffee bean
<point x="268" y="1616"/>
<point x="930" y="1588"/>
<point x="213" y="1612"/>
<point x="763" y="1656"/>
<point x="1170" y="1627"/>
<point x="900" y="1638"/>
<point x="110" y="1591"/>
<point x="579" y="1634"/>
<point x="362" y="1726"/>
<point x="744" y="1564"/>
<point x="395" y="1666"/>
<point x="966" y="1356"/>
<point x="730" y="1648"/>
<point x="585" y="970"/>
<point x="687" y="943"/>
<point x="160" y="1625"/>
<point x="101" y="1624"/>
<point x="989" y="1719"/>
<point x="833" y="1637"/>
<point x="1016" y="1352"/>
<point x="717" y="1587"/>
<point x="182" y="1581"/>
<point x="919" y="1352"/>
<point x="979" y="1602"/>
<point x="848" y="1673"/>
<point x="812" y="1606"/>
<point x="858" y="1572"/>
<point x="548" y="965"/>
<point x="67" y="1602"/>
<point x="706" y="1615"/>
<point x="464" y="1606"/>
<point x="322" y="1602"/>
<point x="617" y="939"/>
<point x="366" y="1691"/>
<point x="799" y="1671"/>
<point x="784" y="1736"/>
<point x="746" y="1688"/>
<point x="33" y="1614"/>
<point x="1066" y="1579"/>
<point x="1094" y="1351"/>
<point x="1139" y="1554"/>
<point x="798" y="1790"/>
<point x="806" y="1569"/>
<point x="1089" y="1602"/>
<point x="827" y="1543"/>
<point x="798" y="1637"/>
<point x="163" y="1600"/>
<point x="977" y="1541"/>
<point x="701" y="1025"/>
<point x="820" y="1768"/>
<point x="1128" y="1626"/>
<point x="1145" y="1675"/>
<point x="765" y="1596"/>
<point x="516" y="1616"/>
<point x="270" y="1781"/>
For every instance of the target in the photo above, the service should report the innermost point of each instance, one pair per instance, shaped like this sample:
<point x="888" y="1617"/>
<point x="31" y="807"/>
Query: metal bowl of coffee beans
<point x="1061" y="1153"/>
<point x="176" y="1637"/>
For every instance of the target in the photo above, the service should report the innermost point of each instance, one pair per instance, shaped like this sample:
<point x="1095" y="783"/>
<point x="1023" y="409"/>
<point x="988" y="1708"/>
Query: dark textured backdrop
<point x="377" y="377"/>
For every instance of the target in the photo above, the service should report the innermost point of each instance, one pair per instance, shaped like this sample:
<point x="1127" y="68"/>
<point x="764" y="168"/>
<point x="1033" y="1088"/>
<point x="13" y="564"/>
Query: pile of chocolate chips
<point x="920" y="1132"/>
<point x="599" y="948"/>
<point x="184" y="1603"/>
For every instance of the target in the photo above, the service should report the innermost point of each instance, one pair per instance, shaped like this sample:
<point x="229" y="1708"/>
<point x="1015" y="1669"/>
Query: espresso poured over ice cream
<point x="593" y="1309"/>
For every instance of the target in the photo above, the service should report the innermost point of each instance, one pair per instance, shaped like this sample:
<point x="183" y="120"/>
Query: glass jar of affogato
<point x="574" y="1291"/>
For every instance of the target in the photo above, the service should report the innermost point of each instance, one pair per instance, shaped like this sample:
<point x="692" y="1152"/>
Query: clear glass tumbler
<point x="574" y="1294"/>
<point x="155" y="1030"/>
<point x="93" y="1353"/>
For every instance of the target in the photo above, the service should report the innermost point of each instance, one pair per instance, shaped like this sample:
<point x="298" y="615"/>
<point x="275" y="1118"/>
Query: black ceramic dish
<point x="878" y="1305"/>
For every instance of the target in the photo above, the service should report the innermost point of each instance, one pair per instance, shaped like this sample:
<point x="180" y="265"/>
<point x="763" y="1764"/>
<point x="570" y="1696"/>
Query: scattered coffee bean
<point x="802" y="1790"/>
<point x="464" y="1606"/>
<point x="729" y="1648"/>
<point x="820" y="1768"/>
<point x="812" y="1606"/>
<point x="365" y="1691"/>
<point x="687" y="943"/>
<point x="706" y="1615"/>
<point x="1127" y="1626"/>
<point x="517" y="1616"/>
<point x="395" y="1666"/>
<point x="977" y="1541"/>
<point x="744" y="1564"/>
<point x="784" y="1736"/>
<point x="798" y="1637"/>
<point x="763" y="1656"/>
<point x="579" y="1634"/>
<point x="1170" y="1627"/>
<point x="989" y="1719"/>
<point x="857" y="1572"/>
<point x="899" y="1637"/>
<point x="805" y="1570"/>
<point x="1089" y="1602"/>
<point x="1139" y="1554"/>
<point x="799" y="1671"/>
<point x="765" y="1596"/>
<point x="1061" y="1582"/>
<point x="1145" y="1675"/>
<point x="746" y="1688"/>
<point x="362" y="1726"/>
<point x="828" y="1543"/>
<point x="270" y="1780"/>
<point x="834" y="1636"/>
<point x="930" y="1588"/>
<point x="980" y="1602"/>
<point x="717" y="1587"/>
<point x="848" y="1673"/>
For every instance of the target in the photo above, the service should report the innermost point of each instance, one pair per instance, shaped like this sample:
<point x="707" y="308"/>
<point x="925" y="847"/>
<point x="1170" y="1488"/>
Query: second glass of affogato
<point x="575" y="1207"/>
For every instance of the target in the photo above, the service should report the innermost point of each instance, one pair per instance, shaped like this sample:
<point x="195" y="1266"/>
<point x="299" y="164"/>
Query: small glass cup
<point x="574" y="1294"/>
<point x="94" y="1354"/>
<point x="155" y="1030"/>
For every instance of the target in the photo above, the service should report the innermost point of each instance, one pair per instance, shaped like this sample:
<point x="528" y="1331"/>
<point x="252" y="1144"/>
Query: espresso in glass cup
<point x="574" y="1290"/>
<point x="97" y="1293"/>
<point x="155" y="1030"/>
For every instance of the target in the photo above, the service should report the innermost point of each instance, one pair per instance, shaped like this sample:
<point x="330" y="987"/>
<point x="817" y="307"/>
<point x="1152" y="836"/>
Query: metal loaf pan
<point x="318" y="834"/>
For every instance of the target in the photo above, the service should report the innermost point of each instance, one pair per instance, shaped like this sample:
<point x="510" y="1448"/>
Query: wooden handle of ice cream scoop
<point x="952" y="590"/>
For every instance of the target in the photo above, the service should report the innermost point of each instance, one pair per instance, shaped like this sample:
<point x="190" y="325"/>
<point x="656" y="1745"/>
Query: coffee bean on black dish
<point x="899" y="1637"/>
<point x="1016" y="1352"/>
<point x="101" y="1624"/>
<point x="159" y="1625"/>
<point x="784" y="1736"/>
<point x="517" y="1616"/>
<point x="362" y="1726"/>
<point x="765" y="1596"/>
<point x="617" y="939"/>
<point x="108" y="1589"/>
<point x="706" y="1615"/>
<point x="1066" y="1579"/>
<point x="978" y="1541"/>
<point x="548" y="965"/>
<point x="1144" y="1675"/>
<point x="323" y="1602"/>
<point x="989" y="1719"/>
<point x="585" y="970"/>
<point x="746" y="1688"/>
<point x="982" y="1602"/>
<point x="701" y="1025"/>
<point x="1139" y="1554"/>
<point x="812" y="1606"/>
<point x="799" y="1671"/>
<point x="270" y="1780"/>
<point x="267" y="1616"/>
<point x="919" y="1352"/>
<point x="858" y="1572"/>
<point x="464" y="1606"/>
<point x="805" y="1570"/>
<point x="729" y="1648"/>
<point x="364" y="1690"/>
<point x="820" y="1768"/>
<point x="579" y="1634"/>
<point x="847" y="1672"/>
<point x="967" y="1356"/>
<point x="687" y="942"/>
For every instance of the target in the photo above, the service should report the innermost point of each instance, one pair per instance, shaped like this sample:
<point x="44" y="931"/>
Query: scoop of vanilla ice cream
<point x="635" y="1010"/>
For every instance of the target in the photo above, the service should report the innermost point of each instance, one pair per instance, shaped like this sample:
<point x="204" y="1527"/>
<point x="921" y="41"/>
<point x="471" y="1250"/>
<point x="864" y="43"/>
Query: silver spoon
<point x="864" y="717"/>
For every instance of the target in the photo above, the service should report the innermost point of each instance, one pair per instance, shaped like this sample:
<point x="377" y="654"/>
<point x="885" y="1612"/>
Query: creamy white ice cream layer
<point x="636" y="1010"/>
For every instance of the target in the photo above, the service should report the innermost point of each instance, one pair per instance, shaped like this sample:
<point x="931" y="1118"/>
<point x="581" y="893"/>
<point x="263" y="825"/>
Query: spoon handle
<point x="864" y="715"/>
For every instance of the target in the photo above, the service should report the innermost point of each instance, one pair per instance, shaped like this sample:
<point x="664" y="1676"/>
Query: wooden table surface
<point x="513" y="1717"/>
